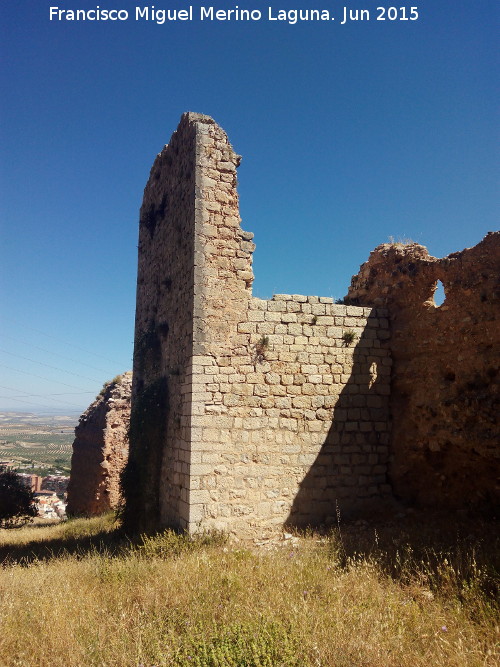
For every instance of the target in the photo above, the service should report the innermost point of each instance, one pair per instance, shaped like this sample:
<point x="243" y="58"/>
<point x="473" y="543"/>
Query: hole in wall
<point x="439" y="294"/>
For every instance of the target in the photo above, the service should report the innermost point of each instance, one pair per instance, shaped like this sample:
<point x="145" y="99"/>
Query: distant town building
<point x="49" y="505"/>
<point x="57" y="483"/>
<point x="33" y="482"/>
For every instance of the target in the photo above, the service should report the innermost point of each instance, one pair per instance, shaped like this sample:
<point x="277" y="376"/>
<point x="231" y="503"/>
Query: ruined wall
<point x="294" y="419"/>
<point x="158" y="465"/>
<point x="186" y="299"/>
<point x="100" y="451"/>
<point x="246" y="414"/>
<point x="445" y="397"/>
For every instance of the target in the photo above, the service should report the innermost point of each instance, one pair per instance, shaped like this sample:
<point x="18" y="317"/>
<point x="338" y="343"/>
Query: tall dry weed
<point x="173" y="600"/>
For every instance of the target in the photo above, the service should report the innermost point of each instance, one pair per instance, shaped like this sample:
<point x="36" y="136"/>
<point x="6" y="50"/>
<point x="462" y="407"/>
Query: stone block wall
<point x="294" y="421"/>
<point x="445" y="396"/>
<point x="187" y="296"/>
<point x="246" y="414"/>
<point x="158" y="465"/>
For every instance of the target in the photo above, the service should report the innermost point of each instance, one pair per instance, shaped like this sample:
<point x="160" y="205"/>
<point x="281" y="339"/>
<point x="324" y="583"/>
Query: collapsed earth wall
<point x="100" y="451"/>
<point x="445" y="393"/>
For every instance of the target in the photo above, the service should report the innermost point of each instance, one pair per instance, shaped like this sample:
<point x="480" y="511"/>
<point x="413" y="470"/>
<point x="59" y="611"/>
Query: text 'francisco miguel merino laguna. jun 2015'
<point x="340" y="15"/>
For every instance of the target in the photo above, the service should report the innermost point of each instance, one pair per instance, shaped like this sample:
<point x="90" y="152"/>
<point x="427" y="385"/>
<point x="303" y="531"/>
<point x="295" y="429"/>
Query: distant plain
<point x="37" y="444"/>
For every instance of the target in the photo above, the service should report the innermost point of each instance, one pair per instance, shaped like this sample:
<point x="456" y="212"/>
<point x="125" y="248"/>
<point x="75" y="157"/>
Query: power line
<point x="62" y="393"/>
<point x="36" y="404"/>
<point x="43" y="333"/>
<point x="37" y="347"/>
<point x="63" y="384"/>
<point x="46" y="396"/>
<point x="69" y="393"/>
<point x="41" y="363"/>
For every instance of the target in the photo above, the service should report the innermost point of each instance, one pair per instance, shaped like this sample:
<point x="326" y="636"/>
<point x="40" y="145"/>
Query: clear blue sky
<point x="349" y="134"/>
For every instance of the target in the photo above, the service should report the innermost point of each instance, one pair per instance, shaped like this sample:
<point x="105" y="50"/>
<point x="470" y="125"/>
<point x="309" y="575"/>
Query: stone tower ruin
<point x="247" y="414"/>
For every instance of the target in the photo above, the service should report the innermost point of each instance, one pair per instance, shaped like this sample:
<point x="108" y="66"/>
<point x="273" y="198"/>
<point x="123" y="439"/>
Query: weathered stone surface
<point x="100" y="450"/>
<point x="445" y="397"/>
<point x="272" y="392"/>
<point x="248" y="414"/>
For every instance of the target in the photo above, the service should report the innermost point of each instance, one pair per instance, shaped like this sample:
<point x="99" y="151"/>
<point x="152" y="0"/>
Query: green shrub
<point x="349" y="337"/>
<point x="17" y="502"/>
<point x="260" y="644"/>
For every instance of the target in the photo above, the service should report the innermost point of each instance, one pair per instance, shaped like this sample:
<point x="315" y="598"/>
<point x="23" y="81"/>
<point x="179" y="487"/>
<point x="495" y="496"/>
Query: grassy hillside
<point x="81" y="594"/>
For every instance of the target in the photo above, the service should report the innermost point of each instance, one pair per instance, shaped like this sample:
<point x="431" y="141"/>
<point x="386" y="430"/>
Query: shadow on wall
<point x="445" y="387"/>
<point x="349" y="474"/>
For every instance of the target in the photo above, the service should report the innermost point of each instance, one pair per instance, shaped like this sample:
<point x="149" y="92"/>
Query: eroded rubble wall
<point x="446" y="362"/>
<point x="100" y="451"/>
<point x="247" y="414"/>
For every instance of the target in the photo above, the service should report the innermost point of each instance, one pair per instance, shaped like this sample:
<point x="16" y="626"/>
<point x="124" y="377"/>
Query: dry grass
<point x="170" y="600"/>
<point x="401" y="241"/>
